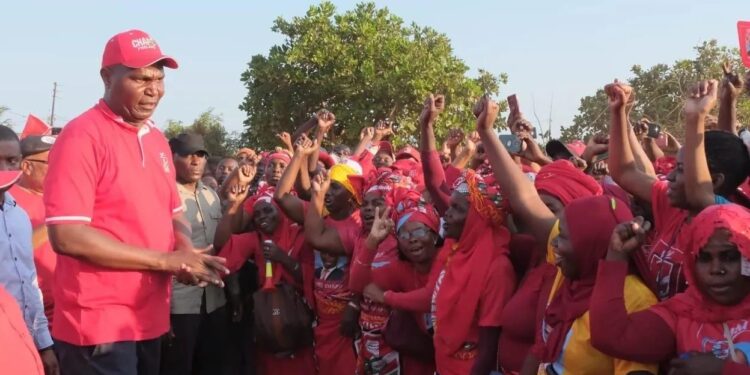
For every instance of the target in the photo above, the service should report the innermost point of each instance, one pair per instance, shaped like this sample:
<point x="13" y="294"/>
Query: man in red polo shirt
<point x="114" y="216"/>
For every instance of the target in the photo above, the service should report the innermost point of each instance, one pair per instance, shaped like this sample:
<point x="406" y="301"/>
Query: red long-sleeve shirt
<point x="434" y="179"/>
<point x="642" y="336"/>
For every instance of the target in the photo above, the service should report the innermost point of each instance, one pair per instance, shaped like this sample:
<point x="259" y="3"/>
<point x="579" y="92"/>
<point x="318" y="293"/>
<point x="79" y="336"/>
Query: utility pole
<point x="54" y="97"/>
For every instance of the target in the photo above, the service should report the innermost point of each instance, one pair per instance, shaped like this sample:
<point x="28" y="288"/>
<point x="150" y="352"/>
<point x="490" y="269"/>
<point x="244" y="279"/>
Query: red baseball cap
<point x="134" y="49"/>
<point x="409" y="152"/>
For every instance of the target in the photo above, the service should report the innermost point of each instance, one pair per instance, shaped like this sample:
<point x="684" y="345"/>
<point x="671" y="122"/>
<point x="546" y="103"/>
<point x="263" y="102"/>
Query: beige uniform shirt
<point x="203" y="211"/>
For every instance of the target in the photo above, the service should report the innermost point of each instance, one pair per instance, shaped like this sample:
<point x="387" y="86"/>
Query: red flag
<point x="35" y="126"/>
<point x="743" y="29"/>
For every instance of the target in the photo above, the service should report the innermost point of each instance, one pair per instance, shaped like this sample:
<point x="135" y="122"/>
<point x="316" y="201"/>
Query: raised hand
<point x="486" y="111"/>
<point x="701" y="98"/>
<point x="383" y="129"/>
<point x="627" y="237"/>
<point x="474" y="137"/>
<point x="532" y="152"/>
<point x="367" y="132"/>
<point x="305" y="146"/>
<point x="522" y="128"/>
<point x="455" y="137"/>
<point x="673" y="145"/>
<point x="618" y="95"/>
<point x="321" y="182"/>
<point x="640" y="128"/>
<point x="246" y="173"/>
<point x="326" y="120"/>
<point x="286" y="140"/>
<point x="598" y="144"/>
<point x="237" y="194"/>
<point x="579" y="163"/>
<point x="383" y="224"/>
<point x="731" y="85"/>
<point x="470" y="144"/>
<point x="433" y="107"/>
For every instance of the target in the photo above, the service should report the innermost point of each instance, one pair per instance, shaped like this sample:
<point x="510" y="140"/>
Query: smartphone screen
<point x="511" y="143"/>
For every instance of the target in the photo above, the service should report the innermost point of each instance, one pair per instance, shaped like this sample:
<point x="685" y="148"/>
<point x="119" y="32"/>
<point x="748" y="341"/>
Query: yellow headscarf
<point x="340" y="173"/>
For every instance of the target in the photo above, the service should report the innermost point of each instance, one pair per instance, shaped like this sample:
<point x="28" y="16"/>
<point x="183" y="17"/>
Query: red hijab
<point x="290" y="238"/>
<point x="692" y="303"/>
<point x="467" y="263"/>
<point x="590" y="223"/>
<point x="565" y="182"/>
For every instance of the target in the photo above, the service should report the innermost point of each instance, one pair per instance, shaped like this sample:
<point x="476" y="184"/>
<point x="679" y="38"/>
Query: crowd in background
<point x="127" y="253"/>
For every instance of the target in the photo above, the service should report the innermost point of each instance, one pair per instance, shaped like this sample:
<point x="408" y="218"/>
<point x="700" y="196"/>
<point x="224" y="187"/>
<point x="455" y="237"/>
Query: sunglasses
<point x="417" y="233"/>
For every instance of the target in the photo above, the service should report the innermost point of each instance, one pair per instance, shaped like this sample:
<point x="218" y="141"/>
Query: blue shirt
<point x="718" y="199"/>
<point x="17" y="270"/>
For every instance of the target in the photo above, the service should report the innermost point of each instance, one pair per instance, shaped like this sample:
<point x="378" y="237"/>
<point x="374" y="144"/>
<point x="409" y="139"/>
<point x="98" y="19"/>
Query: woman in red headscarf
<point x="562" y="345"/>
<point x="672" y="206"/>
<point x="705" y="330"/>
<point x="534" y="207"/>
<point x="373" y="255"/>
<point x="334" y="236"/>
<point x="276" y="163"/>
<point x="417" y="231"/>
<point x="292" y="263"/>
<point x="560" y="182"/>
<point x="475" y="281"/>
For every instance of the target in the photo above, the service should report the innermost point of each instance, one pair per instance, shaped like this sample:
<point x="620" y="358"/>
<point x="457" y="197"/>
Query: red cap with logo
<point x="134" y="49"/>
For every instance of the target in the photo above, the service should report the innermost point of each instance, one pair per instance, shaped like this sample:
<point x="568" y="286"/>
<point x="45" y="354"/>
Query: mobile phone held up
<point x="654" y="130"/>
<point x="511" y="143"/>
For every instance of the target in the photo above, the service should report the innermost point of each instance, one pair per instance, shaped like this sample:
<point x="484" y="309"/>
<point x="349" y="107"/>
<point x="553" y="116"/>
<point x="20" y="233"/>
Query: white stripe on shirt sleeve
<point x="67" y="218"/>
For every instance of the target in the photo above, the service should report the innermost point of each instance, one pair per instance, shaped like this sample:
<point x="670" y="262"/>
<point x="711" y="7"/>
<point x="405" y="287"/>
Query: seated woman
<point x="704" y="330"/>
<point x="292" y="261"/>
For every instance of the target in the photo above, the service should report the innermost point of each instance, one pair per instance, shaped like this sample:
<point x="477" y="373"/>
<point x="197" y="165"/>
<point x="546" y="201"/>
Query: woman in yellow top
<point x="563" y="343"/>
<point x="539" y="221"/>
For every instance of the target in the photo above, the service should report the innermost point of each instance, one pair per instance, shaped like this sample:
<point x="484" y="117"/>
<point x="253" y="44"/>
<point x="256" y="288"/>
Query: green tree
<point x="208" y="124"/>
<point x="659" y="92"/>
<point x="364" y="65"/>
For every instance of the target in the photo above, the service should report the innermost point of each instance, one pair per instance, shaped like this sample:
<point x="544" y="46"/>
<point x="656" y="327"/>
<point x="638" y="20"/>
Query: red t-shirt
<point x="348" y="230"/>
<point x="18" y="354"/>
<point x="497" y="290"/>
<point x="120" y="180"/>
<point x="664" y="255"/>
<point x="44" y="257"/>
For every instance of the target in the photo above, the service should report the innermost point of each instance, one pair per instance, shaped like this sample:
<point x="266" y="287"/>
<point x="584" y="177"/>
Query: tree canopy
<point x="364" y="65"/>
<point x="209" y="125"/>
<point x="659" y="92"/>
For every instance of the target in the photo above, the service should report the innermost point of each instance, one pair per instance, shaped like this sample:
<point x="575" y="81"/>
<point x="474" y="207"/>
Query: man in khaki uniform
<point x="195" y="344"/>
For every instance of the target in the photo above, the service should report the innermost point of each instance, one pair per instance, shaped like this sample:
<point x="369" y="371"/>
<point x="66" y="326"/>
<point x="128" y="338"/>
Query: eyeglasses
<point x="417" y="233"/>
<point x="38" y="161"/>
